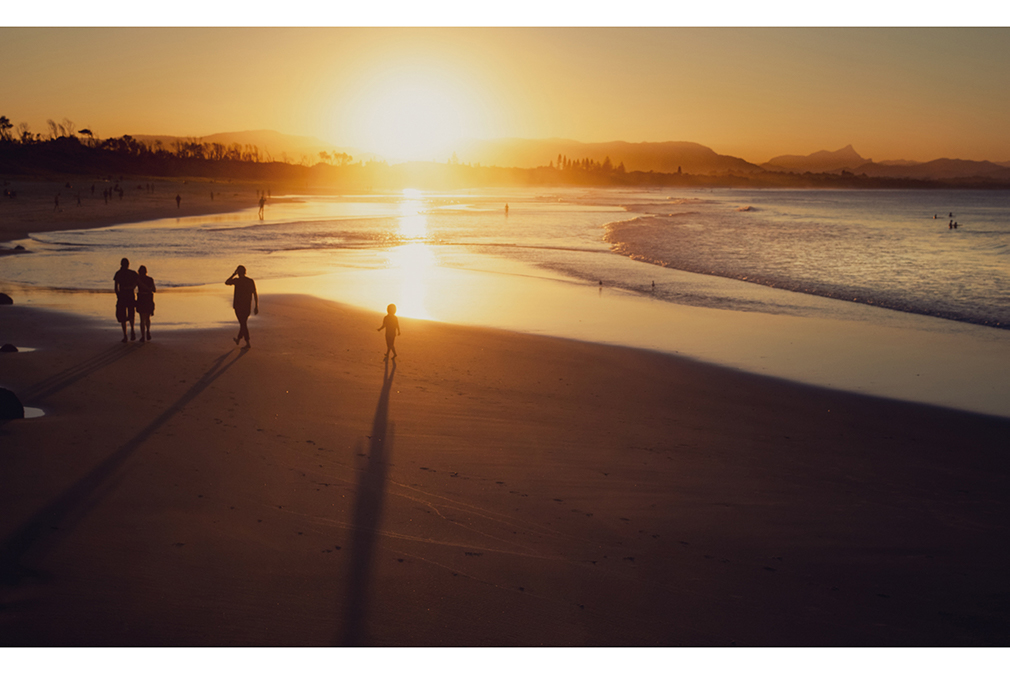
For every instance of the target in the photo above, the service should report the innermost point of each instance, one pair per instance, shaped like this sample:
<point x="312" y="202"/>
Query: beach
<point x="35" y="207"/>
<point x="487" y="488"/>
<point x="492" y="488"/>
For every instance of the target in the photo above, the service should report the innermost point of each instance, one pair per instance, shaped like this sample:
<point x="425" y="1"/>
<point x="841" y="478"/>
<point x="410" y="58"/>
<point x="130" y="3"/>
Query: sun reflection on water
<point x="414" y="262"/>
<point x="413" y="224"/>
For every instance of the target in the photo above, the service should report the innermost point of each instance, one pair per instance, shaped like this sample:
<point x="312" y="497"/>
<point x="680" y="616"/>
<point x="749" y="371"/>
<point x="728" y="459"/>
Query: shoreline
<point x="853" y="347"/>
<point x="495" y="488"/>
<point x="34" y="208"/>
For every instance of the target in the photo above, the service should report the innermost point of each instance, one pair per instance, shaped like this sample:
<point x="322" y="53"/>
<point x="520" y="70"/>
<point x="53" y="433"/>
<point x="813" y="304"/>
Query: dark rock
<point x="5" y="299"/>
<point x="8" y="348"/>
<point x="10" y="406"/>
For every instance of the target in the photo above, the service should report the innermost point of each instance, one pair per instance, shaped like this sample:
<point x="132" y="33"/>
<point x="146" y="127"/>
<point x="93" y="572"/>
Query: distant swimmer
<point x="506" y="209"/>
<point x="263" y="203"/>
<point x="178" y="200"/>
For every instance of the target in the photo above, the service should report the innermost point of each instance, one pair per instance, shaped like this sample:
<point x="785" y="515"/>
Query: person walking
<point x="245" y="293"/>
<point x="145" y="302"/>
<point x="124" y="283"/>
<point x="392" y="327"/>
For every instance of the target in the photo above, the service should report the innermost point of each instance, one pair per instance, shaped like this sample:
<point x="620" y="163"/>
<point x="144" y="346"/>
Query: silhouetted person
<point x="392" y="327"/>
<point x="125" y="282"/>
<point x="263" y="203"/>
<point x="245" y="293"/>
<point x="145" y="302"/>
<point x="178" y="200"/>
<point x="57" y="201"/>
<point x="506" y="209"/>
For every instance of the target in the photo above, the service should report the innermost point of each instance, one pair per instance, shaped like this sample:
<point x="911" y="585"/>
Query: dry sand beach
<point x="490" y="489"/>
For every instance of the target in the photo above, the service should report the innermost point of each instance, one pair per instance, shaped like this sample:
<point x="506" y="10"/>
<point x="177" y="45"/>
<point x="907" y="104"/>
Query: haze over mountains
<point x="659" y="157"/>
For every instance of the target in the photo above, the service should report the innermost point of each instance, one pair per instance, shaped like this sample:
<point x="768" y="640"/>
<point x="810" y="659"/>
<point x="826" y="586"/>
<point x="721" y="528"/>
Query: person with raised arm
<point x="245" y="293"/>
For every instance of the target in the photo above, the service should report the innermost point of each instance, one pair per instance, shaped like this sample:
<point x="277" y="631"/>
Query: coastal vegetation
<point x="64" y="150"/>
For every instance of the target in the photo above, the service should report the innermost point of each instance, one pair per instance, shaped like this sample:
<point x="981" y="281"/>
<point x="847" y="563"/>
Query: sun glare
<point x="410" y="114"/>
<point x="413" y="221"/>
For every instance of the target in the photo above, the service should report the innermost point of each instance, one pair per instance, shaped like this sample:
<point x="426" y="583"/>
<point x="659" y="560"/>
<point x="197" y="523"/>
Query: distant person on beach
<point x="245" y="293"/>
<point x="125" y="282"/>
<point x="178" y="200"/>
<point x="506" y="209"/>
<point x="57" y="206"/>
<point x="145" y="302"/>
<point x="392" y="327"/>
<point x="263" y="203"/>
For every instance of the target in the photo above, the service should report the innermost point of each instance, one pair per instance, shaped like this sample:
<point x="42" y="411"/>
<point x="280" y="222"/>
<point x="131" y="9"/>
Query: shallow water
<point x="459" y="258"/>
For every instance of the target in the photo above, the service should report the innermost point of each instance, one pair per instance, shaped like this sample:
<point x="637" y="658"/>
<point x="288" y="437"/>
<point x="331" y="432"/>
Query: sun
<point x="409" y="113"/>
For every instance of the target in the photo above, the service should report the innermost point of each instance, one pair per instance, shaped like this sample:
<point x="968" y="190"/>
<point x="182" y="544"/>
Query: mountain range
<point x="659" y="157"/>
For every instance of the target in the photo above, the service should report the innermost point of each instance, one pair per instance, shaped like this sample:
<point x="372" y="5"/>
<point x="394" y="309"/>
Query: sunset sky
<point x="901" y="93"/>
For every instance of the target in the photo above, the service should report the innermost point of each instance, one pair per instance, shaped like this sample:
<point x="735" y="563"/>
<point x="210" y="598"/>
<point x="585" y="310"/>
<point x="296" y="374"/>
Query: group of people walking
<point x="135" y="295"/>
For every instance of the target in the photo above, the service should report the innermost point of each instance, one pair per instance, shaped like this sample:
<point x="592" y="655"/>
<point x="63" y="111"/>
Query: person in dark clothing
<point x="245" y="293"/>
<point x="125" y="282"/>
<point x="145" y="302"/>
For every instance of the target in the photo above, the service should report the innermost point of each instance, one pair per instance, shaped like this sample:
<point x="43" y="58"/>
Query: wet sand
<point x="493" y="489"/>
<point x="35" y="209"/>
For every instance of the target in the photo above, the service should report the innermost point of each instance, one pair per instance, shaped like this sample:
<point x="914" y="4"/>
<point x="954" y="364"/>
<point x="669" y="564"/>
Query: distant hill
<point x="665" y="157"/>
<point x="818" y="162"/>
<point x="938" y="169"/>
<point x="847" y="159"/>
<point x="273" y="145"/>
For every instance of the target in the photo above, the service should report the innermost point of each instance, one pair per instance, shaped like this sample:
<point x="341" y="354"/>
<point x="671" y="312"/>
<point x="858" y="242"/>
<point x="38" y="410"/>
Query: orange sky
<point x="905" y="93"/>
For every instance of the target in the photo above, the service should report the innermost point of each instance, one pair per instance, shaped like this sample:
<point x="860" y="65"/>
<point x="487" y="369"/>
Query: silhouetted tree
<point x="5" y="129"/>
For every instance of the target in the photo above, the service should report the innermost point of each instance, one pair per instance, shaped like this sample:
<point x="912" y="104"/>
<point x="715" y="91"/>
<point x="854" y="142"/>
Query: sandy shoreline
<point x="494" y="489"/>
<point x="35" y="210"/>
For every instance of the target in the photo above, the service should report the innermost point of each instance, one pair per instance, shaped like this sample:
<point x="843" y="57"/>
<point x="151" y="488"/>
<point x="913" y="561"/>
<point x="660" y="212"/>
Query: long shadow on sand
<point x="58" y="518"/>
<point x="367" y="512"/>
<point x="57" y="382"/>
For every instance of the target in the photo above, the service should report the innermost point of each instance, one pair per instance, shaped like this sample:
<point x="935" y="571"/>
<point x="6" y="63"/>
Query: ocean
<point x="629" y="267"/>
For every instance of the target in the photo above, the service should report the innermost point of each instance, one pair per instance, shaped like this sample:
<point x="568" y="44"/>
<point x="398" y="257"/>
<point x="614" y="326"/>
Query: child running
<point x="392" y="327"/>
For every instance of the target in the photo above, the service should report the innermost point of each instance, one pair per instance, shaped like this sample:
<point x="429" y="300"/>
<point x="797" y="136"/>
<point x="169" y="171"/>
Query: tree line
<point x="65" y="133"/>
<point x="567" y="164"/>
